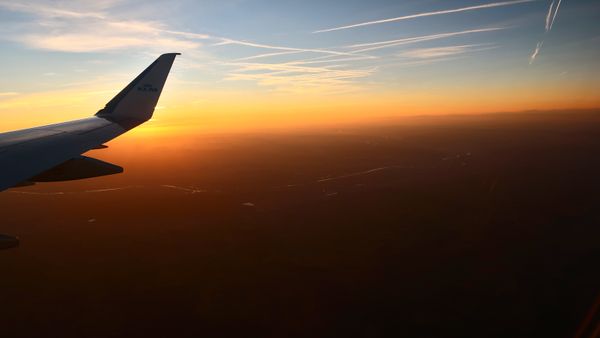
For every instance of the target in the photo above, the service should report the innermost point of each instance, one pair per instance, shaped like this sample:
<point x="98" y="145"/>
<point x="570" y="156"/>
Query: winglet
<point x="135" y="104"/>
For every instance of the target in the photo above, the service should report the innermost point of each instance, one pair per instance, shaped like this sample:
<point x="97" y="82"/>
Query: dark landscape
<point x="453" y="226"/>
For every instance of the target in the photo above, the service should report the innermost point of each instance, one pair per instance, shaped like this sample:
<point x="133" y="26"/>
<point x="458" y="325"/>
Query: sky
<point x="269" y="64"/>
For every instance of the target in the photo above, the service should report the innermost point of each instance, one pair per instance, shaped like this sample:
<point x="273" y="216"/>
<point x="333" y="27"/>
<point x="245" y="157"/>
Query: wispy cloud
<point x="426" y="14"/>
<point x="536" y="51"/>
<point x="439" y="52"/>
<point x="555" y="14"/>
<point x="550" y="18"/>
<point x="49" y="11"/>
<point x="338" y="72"/>
<point x="428" y="56"/>
<point x="89" y="30"/>
<point x="425" y="62"/>
<point x="80" y="42"/>
<point x="295" y="78"/>
<point x="267" y="55"/>
<point x="392" y="43"/>
<point x="321" y="60"/>
<point x="226" y="41"/>
<point x="8" y="94"/>
<point x="300" y="76"/>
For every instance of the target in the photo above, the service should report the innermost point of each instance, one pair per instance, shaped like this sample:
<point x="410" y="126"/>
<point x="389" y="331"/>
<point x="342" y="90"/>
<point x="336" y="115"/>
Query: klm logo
<point x="147" y="88"/>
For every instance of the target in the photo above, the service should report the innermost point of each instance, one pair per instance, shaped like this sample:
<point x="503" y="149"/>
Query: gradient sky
<point x="249" y="64"/>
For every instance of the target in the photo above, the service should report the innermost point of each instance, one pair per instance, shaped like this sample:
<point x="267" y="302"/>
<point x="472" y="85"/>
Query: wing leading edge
<point x="28" y="153"/>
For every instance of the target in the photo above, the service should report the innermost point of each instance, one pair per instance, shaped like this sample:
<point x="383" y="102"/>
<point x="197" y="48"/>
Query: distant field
<point x="480" y="226"/>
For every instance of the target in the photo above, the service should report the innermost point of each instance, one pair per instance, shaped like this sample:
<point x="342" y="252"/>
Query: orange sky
<point x="179" y="110"/>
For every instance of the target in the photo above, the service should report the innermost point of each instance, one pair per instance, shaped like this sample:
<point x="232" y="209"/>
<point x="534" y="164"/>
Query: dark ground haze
<point x="485" y="226"/>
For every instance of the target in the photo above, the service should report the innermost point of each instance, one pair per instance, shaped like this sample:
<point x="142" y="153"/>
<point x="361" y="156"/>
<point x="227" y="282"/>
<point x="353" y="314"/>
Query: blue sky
<point x="302" y="47"/>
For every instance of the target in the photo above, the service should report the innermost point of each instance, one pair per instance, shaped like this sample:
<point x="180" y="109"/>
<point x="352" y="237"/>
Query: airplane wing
<point x="53" y="152"/>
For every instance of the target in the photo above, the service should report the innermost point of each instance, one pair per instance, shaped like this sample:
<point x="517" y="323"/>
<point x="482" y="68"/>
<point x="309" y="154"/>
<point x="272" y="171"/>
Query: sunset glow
<point x="256" y="65"/>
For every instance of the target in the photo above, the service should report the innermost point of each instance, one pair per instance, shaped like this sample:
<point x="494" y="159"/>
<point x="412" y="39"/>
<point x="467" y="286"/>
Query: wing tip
<point x="129" y="118"/>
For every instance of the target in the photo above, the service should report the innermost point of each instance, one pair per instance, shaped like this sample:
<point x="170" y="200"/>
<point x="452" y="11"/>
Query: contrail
<point x="266" y="55"/>
<point x="420" y="15"/>
<point x="555" y="14"/>
<point x="391" y="43"/>
<point x="549" y="16"/>
<point x="536" y="52"/>
<point x="225" y="41"/>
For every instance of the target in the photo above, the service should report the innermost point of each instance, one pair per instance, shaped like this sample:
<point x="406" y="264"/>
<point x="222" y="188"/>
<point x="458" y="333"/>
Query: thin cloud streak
<point x="266" y="55"/>
<point x="428" y="56"/>
<point x="438" y="52"/>
<point x="39" y="9"/>
<point x="549" y="16"/>
<point x="6" y="94"/>
<point x="293" y="77"/>
<point x="226" y="41"/>
<point x="555" y="14"/>
<point x="425" y="62"/>
<point x="420" y="15"/>
<point x="308" y="62"/>
<point x="392" y="43"/>
<point x="289" y="68"/>
<point x="536" y="52"/>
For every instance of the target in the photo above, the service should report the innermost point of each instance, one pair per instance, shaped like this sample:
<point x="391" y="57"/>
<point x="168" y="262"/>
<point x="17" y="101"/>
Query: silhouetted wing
<point x="27" y="153"/>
